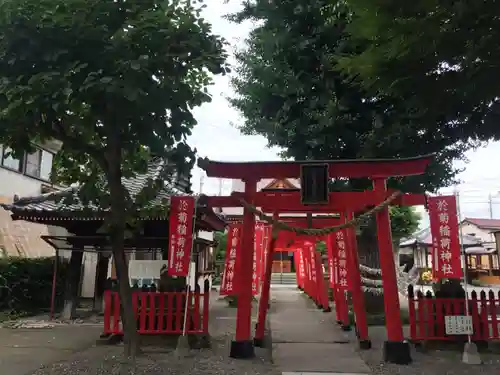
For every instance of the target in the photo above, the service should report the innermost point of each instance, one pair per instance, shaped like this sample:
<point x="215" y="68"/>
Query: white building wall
<point x="473" y="230"/>
<point x="89" y="273"/>
<point x="22" y="238"/>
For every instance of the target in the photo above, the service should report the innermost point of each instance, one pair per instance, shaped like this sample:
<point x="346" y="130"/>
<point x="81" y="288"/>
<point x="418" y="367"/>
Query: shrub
<point x="232" y="301"/>
<point x="26" y="284"/>
<point x="476" y="282"/>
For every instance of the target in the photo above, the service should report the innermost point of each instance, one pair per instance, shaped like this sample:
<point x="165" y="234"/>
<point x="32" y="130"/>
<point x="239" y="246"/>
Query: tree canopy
<point x="438" y="57"/>
<point x="116" y="82"/>
<point x="289" y="90"/>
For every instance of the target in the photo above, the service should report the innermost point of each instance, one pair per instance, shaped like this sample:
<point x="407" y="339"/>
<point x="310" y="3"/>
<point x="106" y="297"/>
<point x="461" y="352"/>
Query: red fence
<point x="428" y="314"/>
<point x="159" y="312"/>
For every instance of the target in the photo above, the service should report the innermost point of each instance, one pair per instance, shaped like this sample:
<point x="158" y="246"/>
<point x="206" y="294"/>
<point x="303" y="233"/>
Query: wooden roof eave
<point x="206" y="220"/>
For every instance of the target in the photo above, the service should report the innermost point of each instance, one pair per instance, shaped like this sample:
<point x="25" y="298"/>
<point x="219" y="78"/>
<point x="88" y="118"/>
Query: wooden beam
<point x="359" y="168"/>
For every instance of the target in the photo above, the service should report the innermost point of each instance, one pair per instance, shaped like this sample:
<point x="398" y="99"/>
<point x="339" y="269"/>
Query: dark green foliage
<point x="116" y="81"/>
<point x="438" y="57"/>
<point x="232" y="301"/>
<point x="379" y="319"/>
<point x="26" y="284"/>
<point x="449" y="288"/>
<point x="220" y="250"/>
<point x="288" y="90"/>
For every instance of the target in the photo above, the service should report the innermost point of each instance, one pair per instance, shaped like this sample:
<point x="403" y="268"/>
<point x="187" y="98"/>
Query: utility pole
<point x="220" y="187"/>
<point x="490" y="204"/>
<point x="202" y="178"/>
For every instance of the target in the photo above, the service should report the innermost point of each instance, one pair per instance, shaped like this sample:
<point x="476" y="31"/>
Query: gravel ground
<point x="442" y="362"/>
<point x="156" y="360"/>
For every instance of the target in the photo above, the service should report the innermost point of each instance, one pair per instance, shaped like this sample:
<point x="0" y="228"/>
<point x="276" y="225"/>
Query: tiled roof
<point x="484" y="223"/>
<point x="424" y="238"/>
<point x="55" y="202"/>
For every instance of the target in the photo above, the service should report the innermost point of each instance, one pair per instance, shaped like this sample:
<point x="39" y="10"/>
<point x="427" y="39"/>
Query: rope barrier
<point x="279" y="225"/>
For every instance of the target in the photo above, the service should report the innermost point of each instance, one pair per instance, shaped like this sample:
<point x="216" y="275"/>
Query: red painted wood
<point x="493" y="314"/>
<point x="355" y="282"/>
<point x="387" y="265"/>
<point x="428" y="322"/>
<point x="283" y="202"/>
<point x="266" y="289"/>
<point x="412" y="316"/>
<point x="152" y="311"/>
<point x="244" y="268"/>
<point x="359" y="168"/>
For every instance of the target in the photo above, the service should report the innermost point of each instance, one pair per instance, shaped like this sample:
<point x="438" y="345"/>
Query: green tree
<point x="220" y="250"/>
<point x="404" y="222"/>
<point x="439" y="58"/>
<point x="116" y="82"/>
<point x="287" y="90"/>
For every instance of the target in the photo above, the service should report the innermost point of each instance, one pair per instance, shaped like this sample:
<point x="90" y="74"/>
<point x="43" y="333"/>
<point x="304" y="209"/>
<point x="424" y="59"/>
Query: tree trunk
<point x="71" y="291"/>
<point x="100" y="281"/>
<point x="117" y="234"/>
<point x="368" y="253"/>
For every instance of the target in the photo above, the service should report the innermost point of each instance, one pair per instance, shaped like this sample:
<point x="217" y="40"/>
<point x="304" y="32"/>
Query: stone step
<point x="284" y="279"/>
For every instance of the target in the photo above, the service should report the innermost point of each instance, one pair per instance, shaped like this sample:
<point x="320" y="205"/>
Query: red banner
<point x="257" y="257"/>
<point x="181" y="235"/>
<point x="446" y="255"/>
<point x="301" y="268"/>
<point x="340" y="253"/>
<point x="229" y="284"/>
<point x="266" y="238"/>
<point x="311" y="260"/>
<point x="330" y="246"/>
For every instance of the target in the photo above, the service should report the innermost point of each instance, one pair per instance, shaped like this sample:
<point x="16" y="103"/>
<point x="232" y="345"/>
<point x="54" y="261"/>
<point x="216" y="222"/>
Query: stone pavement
<point x="24" y="350"/>
<point x="307" y="340"/>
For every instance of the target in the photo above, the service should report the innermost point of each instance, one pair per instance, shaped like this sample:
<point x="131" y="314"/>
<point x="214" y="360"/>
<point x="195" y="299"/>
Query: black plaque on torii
<point x="314" y="180"/>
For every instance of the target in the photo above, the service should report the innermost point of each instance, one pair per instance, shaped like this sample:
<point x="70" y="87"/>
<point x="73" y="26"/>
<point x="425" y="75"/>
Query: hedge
<point x="26" y="284"/>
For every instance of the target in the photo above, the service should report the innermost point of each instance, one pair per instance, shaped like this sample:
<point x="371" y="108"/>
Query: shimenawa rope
<point x="279" y="225"/>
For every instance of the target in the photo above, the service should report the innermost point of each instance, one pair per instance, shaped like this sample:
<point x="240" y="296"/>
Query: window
<point x="33" y="162"/>
<point x="10" y="161"/>
<point x="36" y="164"/>
<point x="46" y="165"/>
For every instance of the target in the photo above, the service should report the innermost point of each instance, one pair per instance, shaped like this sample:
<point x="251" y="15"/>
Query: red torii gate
<point x="395" y="348"/>
<point x="355" y="279"/>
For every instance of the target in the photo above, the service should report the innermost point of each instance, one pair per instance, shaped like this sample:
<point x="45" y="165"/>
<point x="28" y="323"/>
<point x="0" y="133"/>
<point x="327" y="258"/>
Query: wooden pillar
<point x="358" y="298"/>
<point x="266" y="291"/>
<point x="396" y="349"/>
<point x="101" y="275"/>
<point x="73" y="283"/>
<point x="490" y="263"/>
<point x="242" y="346"/>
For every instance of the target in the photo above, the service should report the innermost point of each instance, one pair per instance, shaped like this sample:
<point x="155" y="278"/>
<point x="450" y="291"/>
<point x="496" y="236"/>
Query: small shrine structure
<point x="89" y="251"/>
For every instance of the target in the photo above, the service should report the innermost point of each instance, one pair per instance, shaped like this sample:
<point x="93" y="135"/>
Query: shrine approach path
<point x="307" y="340"/>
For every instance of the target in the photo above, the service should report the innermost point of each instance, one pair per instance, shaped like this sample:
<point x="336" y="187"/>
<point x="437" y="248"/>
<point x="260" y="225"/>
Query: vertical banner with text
<point x="181" y="234"/>
<point x="340" y="254"/>
<point x="267" y="240"/>
<point x="330" y="246"/>
<point x="229" y="284"/>
<point x="257" y="257"/>
<point x="312" y="260"/>
<point x="446" y="254"/>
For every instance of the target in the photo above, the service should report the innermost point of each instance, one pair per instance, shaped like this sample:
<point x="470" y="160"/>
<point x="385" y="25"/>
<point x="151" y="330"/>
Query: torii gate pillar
<point x="396" y="349"/>
<point x="242" y="346"/>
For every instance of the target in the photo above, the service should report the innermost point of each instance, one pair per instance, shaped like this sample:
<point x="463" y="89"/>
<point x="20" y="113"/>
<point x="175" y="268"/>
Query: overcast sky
<point x="217" y="138"/>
